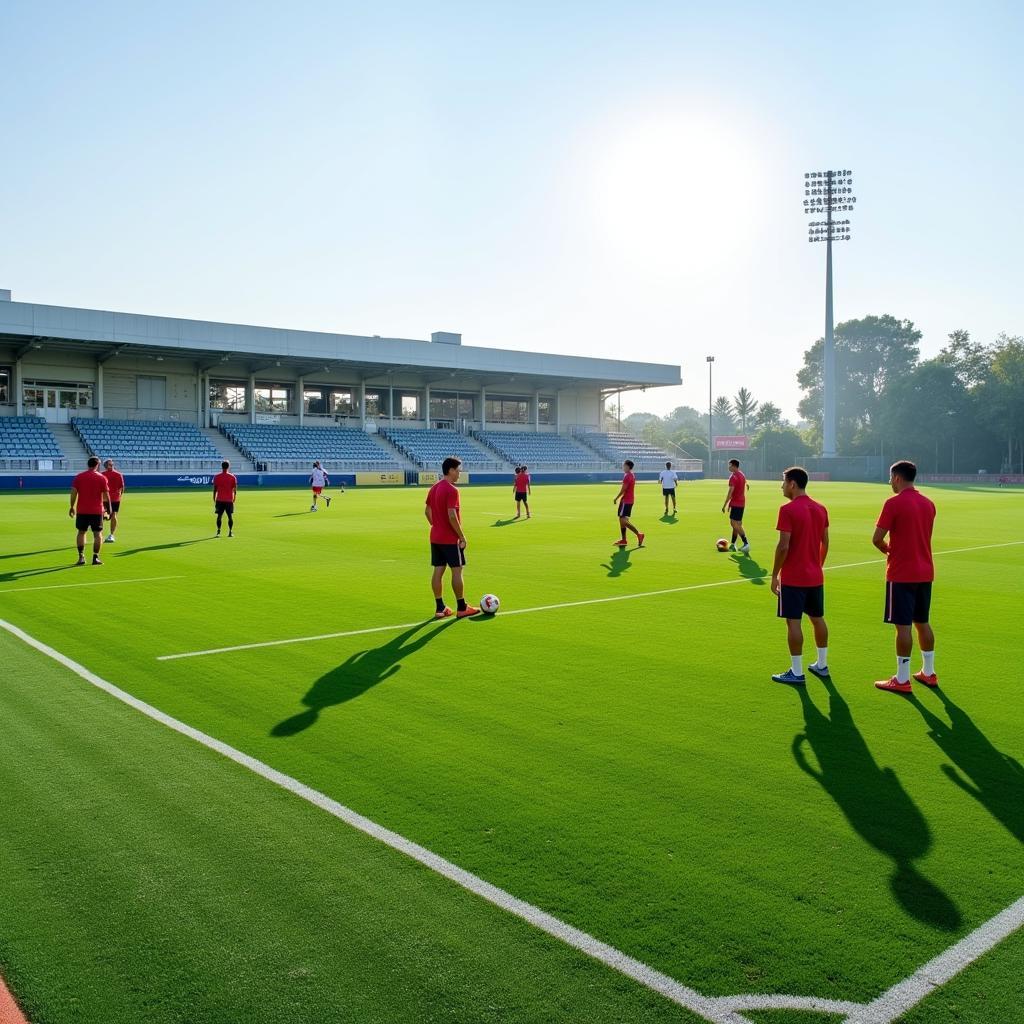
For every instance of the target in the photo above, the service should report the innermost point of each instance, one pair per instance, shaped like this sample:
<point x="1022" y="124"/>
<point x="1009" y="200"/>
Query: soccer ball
<point x="489" y="604"/>
<point x="722" y="544"/>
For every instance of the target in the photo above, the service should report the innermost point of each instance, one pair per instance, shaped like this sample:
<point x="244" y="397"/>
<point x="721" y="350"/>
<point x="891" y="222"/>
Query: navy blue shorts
<point x="89" y="522"/>
<point x="521" y="496"/>
<point x="625" y="510"/>
<point x="447" y="554"/>
<point x="666" y="491"/>
<point x="736" y="513"/>
<point x="795" y="602"/>
<point x="906" y="603"/>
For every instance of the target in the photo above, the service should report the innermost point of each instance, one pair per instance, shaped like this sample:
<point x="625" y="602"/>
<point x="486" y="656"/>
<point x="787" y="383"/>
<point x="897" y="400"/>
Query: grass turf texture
<point x="626" y="766"/>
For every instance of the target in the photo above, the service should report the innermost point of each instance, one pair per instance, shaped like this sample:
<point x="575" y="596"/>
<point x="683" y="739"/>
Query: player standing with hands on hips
<point x="447" y="541"/>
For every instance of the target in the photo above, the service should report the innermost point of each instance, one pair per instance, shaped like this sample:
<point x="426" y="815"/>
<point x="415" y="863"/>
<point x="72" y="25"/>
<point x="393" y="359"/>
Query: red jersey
<point x="442" y="497"/>
<point x="115" y="482"/>
<point x="91" y="487"/>
<point x="738" y="491"/>
<point x="908" y="517"/>
<point x="628" y="489"/>
<point x="224" y="485"/>
<point x="522" y="482"/>
<point x="805" y="521"/>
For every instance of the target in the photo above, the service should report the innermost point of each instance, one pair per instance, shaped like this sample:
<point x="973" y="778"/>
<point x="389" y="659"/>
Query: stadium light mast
<point x="827" y="193"/>
<point x="710" y="360"/>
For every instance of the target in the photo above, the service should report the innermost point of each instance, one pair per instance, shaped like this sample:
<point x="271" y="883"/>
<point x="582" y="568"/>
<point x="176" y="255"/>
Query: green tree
<point x="780" y="447"/>
<point x="970" y="360"/>
<point x="769" y="415"/>
<point x="722" y="417"/>
<point x="745" y="408"/>
<point x="1001" y="398"/>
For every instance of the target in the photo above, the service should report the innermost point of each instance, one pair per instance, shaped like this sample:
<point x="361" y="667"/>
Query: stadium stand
<point x="537" y="449"/>
<point x="267" y="444"/>
<point x="145" y="440"/>
<point x="27" y="437"/>
<point x="616" y="446"/>
<point x="428" y="448"/>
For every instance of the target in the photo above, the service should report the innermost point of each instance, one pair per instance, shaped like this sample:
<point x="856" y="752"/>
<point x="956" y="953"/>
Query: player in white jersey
<point x="669" y="478"/>
<point x="318" y="480"/>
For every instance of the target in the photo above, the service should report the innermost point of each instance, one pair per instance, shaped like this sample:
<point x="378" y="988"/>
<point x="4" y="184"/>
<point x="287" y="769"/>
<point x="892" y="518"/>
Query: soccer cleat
<point x="893" y="685"/>
<point x="231" y="533"/>
<point x="640" y="540"/>
<point x="619" y="544"/>
<point x="111" y="540"/>
<point x="445" y="613"/>
<point x="790" y="678"/>
<point x="81" y="560"/>
<point x="467" y="612"/>
<point x="932" y="680"/>
<point x="821" y="673"/>
<point x="732" y="547"/>
<point x="312" y="508"/>
<point x="745" y="549"/>
<point x="327" y="498"/>
<point x="96" y="561"/>
<point x="217" y="534"/>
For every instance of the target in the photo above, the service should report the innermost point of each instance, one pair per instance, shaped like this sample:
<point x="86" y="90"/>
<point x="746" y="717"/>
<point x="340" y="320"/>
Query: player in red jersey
<point x="797" y="577"/>
<point x="522" y="490"/>
<point x="447" y="540"/>
<point x="909" y="571"/>
<point x="90" y="492"/>
<point x="225" y="490"/>
<point x="625" y="498"/>
<point x="115" y="481"/>
<point x="736" y="502"/>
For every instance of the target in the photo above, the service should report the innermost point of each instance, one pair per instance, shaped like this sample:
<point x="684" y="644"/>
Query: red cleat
<point x="467" y="611"/>
<point x="640" y="539"/>
<point x="444" y="613"/>
<point x="932" y="680"/>
<point x="893" y="685"/>
<point x="619" y="544"/>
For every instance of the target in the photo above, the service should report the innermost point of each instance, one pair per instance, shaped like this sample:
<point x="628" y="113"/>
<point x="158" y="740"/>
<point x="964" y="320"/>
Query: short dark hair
<point x="450" y="463"/>
<point x="94" y="461"/>
<point x="905" y="470"/>
<point x="225" y="464"/>
<point x="629" y="462"/>
<point x="734" y="462"/>
<point x="798" y="475"/>
<point x="668" y="465"/>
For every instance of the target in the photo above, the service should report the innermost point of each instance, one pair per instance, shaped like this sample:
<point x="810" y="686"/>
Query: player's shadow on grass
<point x="874" y="802"/>
<point x="993" y="778"/>
<point x="285" y="515"/>
<point x="671" y="518"/>
<point x="163" y="547"/>
<point x="619" y="562"/>
<point x="357" y="674"/>
<point x="505" y="522"/>
<point x="29" y="554"/>
<point x="749" y="569"/>
<point x="24" y="574"/>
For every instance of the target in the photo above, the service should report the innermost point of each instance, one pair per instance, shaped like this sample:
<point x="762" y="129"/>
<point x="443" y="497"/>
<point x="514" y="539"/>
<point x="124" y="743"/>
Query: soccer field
<point x="609" y="750"/>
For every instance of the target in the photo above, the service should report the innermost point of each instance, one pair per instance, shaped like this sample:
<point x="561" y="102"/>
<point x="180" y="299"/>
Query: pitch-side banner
<point x="378" y="479"/>
<point x="731" y="443"/>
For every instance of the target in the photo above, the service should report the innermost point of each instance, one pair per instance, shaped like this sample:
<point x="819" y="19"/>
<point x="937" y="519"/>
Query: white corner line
<point x="636" y="970"/>
<point x="538" y="608"/>
<point x="96" y="583"/>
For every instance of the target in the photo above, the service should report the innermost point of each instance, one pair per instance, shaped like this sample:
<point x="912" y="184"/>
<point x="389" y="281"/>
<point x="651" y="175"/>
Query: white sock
<point x="929" y="662"/>
<point x="798" y="664"/>
<point x="822" y="657"/>
<point x="903" y="670"/>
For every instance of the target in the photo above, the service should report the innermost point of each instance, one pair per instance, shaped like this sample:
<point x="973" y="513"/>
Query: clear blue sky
<point x="588" y="178"/>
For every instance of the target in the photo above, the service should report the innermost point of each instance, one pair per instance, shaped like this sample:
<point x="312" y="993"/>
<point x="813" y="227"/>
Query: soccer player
<point x="523" y="490"/>
<point x="318" y="481"/>
<point x="736" y="502"/>
<point x="447" y="539"/>
<point x="669" y="478"/>
<point x="115" y="482"/>
<point x="797" y="577"/>
<point x="225" y="490"/>
<point x="909" y="571"/>
<point x="90" y="492"/>
<point x="624" y="499"/>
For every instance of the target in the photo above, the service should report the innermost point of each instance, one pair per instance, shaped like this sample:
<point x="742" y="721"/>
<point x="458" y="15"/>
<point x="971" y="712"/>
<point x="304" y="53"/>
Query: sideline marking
<point x="542" y="608"/>
<point x="98" y="583"/>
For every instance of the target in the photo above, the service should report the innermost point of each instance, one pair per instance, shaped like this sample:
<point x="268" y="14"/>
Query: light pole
<point x="828" y="192"/>
<point x="710" y="360"/>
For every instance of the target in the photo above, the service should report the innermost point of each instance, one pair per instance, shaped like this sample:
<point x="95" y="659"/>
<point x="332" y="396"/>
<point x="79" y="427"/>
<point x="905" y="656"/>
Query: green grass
<point x="627" y="766"/>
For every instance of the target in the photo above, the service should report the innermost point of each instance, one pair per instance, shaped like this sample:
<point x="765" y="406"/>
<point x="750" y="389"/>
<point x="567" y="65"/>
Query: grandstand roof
<point x="108" y="334"/>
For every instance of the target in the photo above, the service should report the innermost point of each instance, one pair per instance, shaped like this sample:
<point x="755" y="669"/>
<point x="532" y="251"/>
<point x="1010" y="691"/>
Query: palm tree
<point x="745" y="407"/>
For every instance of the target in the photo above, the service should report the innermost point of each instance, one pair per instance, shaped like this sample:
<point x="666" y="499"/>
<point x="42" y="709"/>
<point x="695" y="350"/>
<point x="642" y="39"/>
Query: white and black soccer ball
<point x="489" y="604"/>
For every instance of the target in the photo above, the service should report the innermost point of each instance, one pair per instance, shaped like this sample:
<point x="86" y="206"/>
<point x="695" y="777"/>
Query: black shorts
<point x="87" y="522"/>
<point x="225" y="506"/>
<point x="521" y="496"/>
<point x="736" y="513"/>
<point x="906" y="603"/>
<point x="625" y="510"/>
<point x="447" y="554"/>
<point x="113" y="506"/>
<point x="795" y="602"/>
<point x="666" y="491"/>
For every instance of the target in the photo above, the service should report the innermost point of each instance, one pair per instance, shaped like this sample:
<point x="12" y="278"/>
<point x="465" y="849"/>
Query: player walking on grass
<point x="736" y="502"/>
<point x="522" y="490"/>
<point x="669" y="478"/>
<point x="225" y="490"/>
<point x="909" y="571"/>
<point x="625" y="498"/>
<point x="89" y="492"/>
<point x="115" y="482"/>
<point x="447" y="540"/>
<point x="318" y="480"/>
<point x="797" y="577"/>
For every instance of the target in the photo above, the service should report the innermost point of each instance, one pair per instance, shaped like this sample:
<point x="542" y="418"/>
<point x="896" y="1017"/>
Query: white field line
<point x="682" y="995"/>
<point x="539" y="608"/>
<point x="719" y="1010"/>
<point x="97" y="583"/>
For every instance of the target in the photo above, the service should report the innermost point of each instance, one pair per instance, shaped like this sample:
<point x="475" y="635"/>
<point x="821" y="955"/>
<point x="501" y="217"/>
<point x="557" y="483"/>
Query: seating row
<point x="148" y="439"/>
<point x="265" y="443"/>
<point x="429" y="448"/>
<point x="27" y="437"/>
<point x="535" y="448"/>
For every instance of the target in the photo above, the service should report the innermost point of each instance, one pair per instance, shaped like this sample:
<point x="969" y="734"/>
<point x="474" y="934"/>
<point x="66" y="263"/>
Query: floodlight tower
<point x="827" y="193"/>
